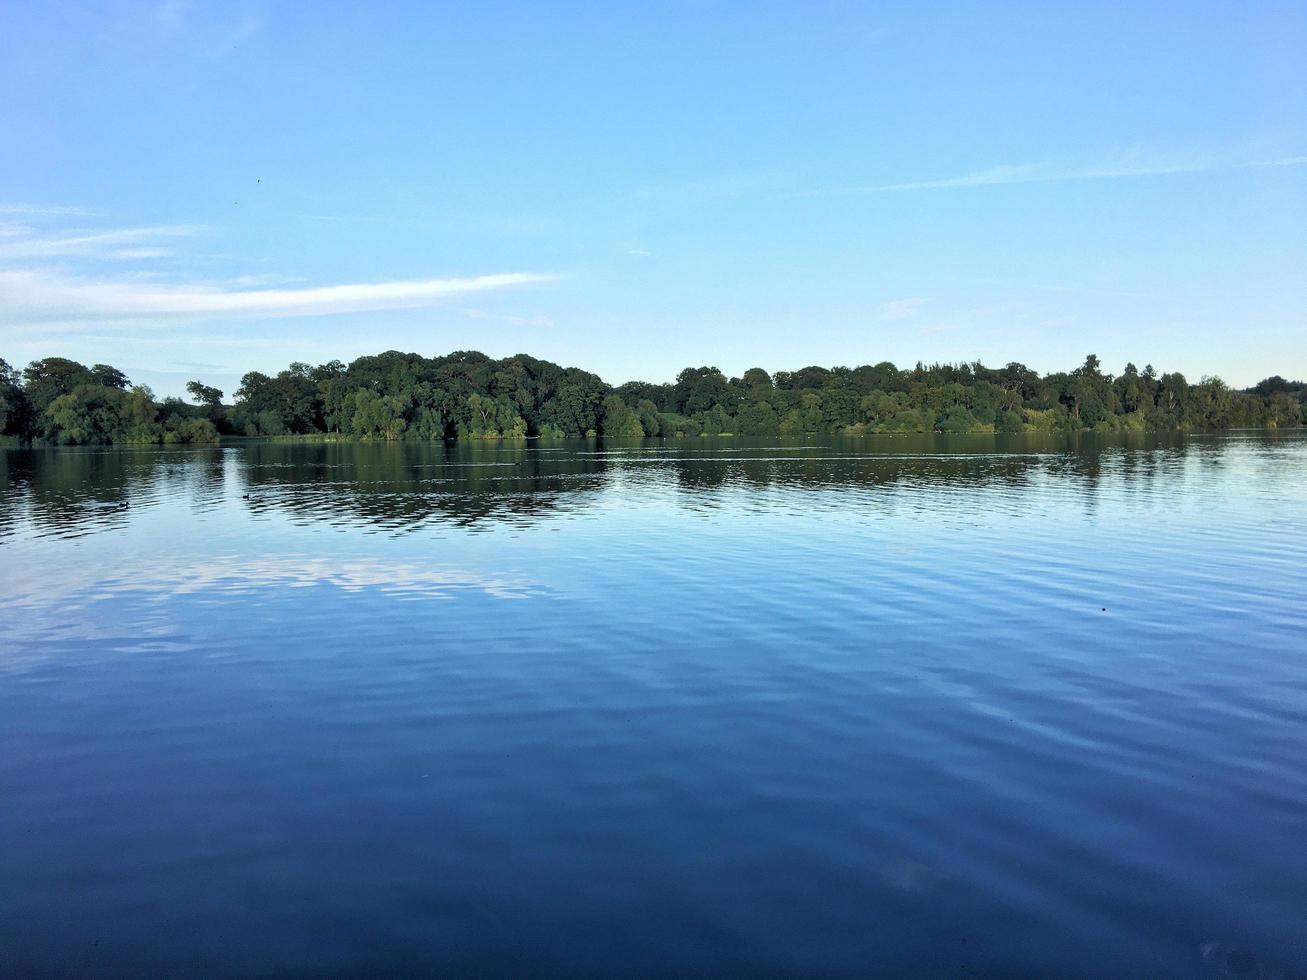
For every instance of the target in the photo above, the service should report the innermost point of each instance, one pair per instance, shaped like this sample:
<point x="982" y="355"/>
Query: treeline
<point x="63" y="402"/>
<point x="467" y="395"/>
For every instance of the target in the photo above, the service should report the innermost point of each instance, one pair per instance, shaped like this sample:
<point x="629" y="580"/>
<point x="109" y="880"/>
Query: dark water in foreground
<point x="899" y="707"/>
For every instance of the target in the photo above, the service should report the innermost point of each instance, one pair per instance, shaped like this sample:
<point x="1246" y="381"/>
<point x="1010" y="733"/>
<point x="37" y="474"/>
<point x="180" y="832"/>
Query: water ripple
<point x="1011" y="706"/>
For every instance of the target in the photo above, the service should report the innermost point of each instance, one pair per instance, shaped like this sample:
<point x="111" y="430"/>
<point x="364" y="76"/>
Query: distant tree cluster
<point x="467" y="395"/>
<point x="59" y="401"/>
<point x="464" y="395"/>
<point x="963" y="398"/>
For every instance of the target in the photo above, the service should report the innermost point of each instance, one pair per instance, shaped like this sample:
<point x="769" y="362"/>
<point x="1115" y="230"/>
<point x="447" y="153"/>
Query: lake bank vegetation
<point x="467" y="395"/>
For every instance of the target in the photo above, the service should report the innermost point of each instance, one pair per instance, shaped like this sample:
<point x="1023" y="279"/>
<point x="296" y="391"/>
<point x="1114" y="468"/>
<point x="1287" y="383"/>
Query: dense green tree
<point x="287" y="403"/>
<point x="839" y="404"/>
<point x="634" y="392"/>
<point x="1009" y="420"/>
<point x="47" y="379"/>
<point x="712" y="421"/>
<point x="578" y="405"/>
<point x="1210" y="405"/>
<point x="204" y="394"/>
<point x="66" y="403"/>
<point x="757" y="418"/>
<point x="620" y="421"/>
<point x="378" y="416"/>
<point x="1173" y="392"/>
<point x="1285" y="410"/>
<point x="1131" y="393"/>
<point x="651" y="422"/>
<point x="957" y="419"/>
<point x="1089" y="396"/>
<point x="700" y="389"/>
<point x="190" y="430"/>
<point x="109" y="377"/>
<point x="210" y="400"/>
<point x="492" y="418"/>
<point x="97" y="414"/>
<point x="15" y="409"/>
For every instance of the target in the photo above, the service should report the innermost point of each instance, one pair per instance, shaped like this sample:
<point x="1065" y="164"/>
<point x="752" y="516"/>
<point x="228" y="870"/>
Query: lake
<point x="917" y="706"/>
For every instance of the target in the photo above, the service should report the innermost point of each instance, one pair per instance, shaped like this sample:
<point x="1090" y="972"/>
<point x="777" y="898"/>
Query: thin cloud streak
<point x="18" y="247"/>
<point x="39" y="341"/>
<point x="1007" y="174"/>
<point x="34" y="297"/>
<point x="42" y="210"/>
<point x="140" y="253"/>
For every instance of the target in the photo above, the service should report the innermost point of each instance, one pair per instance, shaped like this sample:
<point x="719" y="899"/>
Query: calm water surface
<point x="887" y="706"/>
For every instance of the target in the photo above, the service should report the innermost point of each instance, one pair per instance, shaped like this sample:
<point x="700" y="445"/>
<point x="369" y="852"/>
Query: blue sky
<point x="195" y="190"/>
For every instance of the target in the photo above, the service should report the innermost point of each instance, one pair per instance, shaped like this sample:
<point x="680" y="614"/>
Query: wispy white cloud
<point x="901" y="309"/>
<point x="55" y="280"/>
<point x="642" y="253"/>
<point x="140" y="253"/>
<point x="249" y="280"/>
<point x="75" y="331"/>
<point x="35" y="296"/>
<point x="24" y="246"/>
<point x="41" y="210"/>
<point x="1129" y="165"/>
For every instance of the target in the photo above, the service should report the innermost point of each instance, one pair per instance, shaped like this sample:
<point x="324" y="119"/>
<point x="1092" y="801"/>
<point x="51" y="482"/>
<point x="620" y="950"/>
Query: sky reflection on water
<point x="898" y="706"/>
